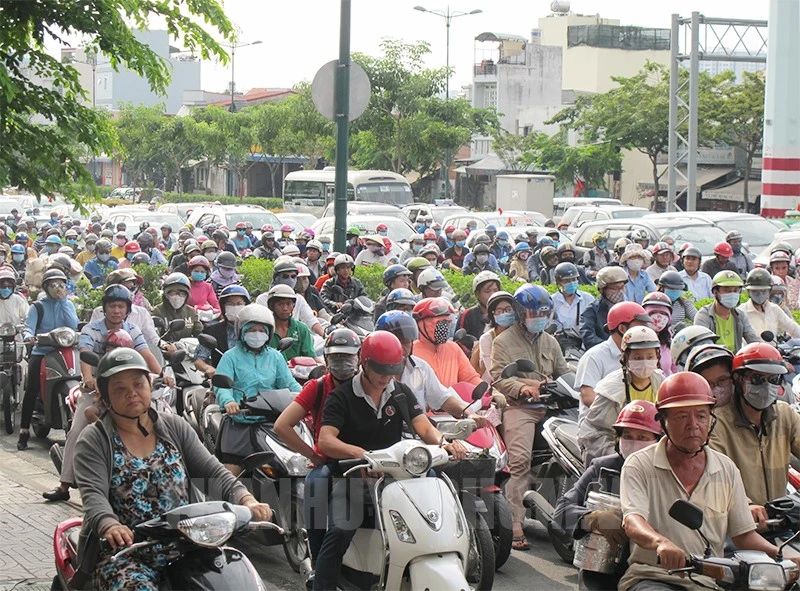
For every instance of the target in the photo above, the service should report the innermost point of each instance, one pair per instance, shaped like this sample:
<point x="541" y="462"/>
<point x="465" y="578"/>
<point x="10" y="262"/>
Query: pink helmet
<point x="286" y="228"/>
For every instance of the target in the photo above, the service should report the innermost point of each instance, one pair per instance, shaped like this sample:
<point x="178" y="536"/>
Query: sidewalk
<point x="27" y="523"/>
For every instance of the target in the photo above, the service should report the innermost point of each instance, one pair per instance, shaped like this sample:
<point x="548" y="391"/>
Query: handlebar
<point x="267" y="525"/>
<point x="132" y="548"/>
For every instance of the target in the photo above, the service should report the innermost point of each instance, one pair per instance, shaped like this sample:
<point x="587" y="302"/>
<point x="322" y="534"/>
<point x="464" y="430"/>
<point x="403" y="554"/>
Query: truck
<point x="526" y="192"/>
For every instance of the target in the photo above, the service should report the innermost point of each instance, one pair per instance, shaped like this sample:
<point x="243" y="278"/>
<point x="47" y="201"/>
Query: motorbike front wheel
<point x="480" y="561"/>
<point x="9" y="408"/>
<point x="295" y="547"/>
<point x="502" y="532"/>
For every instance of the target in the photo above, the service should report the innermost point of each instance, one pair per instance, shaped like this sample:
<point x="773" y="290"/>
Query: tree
<point x="180" y="140"/>
<point x="313" y="136"/>
<point x="509" y="148"/>
<point x="738" y="118"/>
<point x="138" y="129"/>
<point x="42" y="118"/>
<point x="272" y="136"/>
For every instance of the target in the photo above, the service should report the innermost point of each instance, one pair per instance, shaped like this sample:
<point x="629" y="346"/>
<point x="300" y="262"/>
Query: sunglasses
<point x="758" y="378"/>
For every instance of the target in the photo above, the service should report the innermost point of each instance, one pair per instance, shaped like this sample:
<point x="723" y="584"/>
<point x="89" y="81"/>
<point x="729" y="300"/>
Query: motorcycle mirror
<point x="256" y="460"/>
<point x="479" y="391"/>
<point x="177" y="325"/>
<point x="526" y="366"/>
<point x="207" y="341"/>
<point x="509" y="371"/>
<point x="81" y="325"/>
<point x="158" y="322"/>
<point x="455" y="299"/>
<point x="221" y="381"/>
<point x="90" y="358"/>
<point x="460" y="334"/>
<point x="176" y="359"/>
<point x="460" y="429"/>
<point x="347" y="308"/>
<point x="767" y="336"/>
<point x="686" y="513"/>
<point x="284" y="344"/>
<point x="551" y="328"/>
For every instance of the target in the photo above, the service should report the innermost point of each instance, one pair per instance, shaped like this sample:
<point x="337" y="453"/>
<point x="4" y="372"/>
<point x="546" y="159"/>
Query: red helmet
<point x="658" y="299"/>
<point x="267" y="228"/>
<point x="760" y="357"/>
<point x="625" y="312"/>
<point x="382" y="352"/>
<point x="387" y="244"/>
<point x="639" y="414"/>
<point x="723" y="249"/>
<point x="241" y="225"/>
<point x="684" y="388"/>
<point x="432" y="308"/>
<point x="133" y="247"/>
<point x="450" y="228"/>
<point x="429" y="235"/>
<point x="198" y="261"/>
<point x="380" y="227"/>
<point x="118" y="338"/>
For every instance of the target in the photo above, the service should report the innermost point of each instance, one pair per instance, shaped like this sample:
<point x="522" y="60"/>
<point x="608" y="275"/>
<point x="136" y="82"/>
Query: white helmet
<point x="256" y="313"/>
<point x="344" y="259"/>
<point x="291" y="250"/>
<point x="432" y="279"/>
<point x="481" y="278"/>
<point x="687" y="339"/>
<point x="280" y="291"/>
<point x="639" y="337"/>
<point x="609" y="275"/>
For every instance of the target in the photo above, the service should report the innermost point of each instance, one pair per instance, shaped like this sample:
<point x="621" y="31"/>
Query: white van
<point x="562" y="204"/>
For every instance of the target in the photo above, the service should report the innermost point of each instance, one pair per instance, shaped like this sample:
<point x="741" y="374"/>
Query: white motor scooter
<point x="421" y="537"/>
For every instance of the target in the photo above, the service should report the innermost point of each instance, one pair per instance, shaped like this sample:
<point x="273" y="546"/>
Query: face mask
<point x="416" y="247"/>
<point x="536" y="325"/>
<point x="90" y="247"/>
<point x="615" y="297"/>
<point x="5" y="292"/>
<point x="482" y="259"/>
<point x="129" y="256"/>
<point x="210" y="256"/>
<point x="71" y="241"/>
<point x="302" y="248"/>
<point x="505" y="319"/>
<point x="18" y="258"/>
<point x="570" y="288"/>
<point x="326" y="247"/>
<point x="660" y="321"/>
<point x="121" y="241"/>
<point x="240" y="233"/>
<point x="232" y="312"/>
<point x="176" y="301"/>
<point x="602" y="245"/>
<point x="642" y="368"/>
<point x="255" y="340"/>
<point x="776" y="298"/>
<point x="344" y="368"/>
<point x="523" y="256"/>
<point x="57" y="293"/>
<point x="673" y="294"/>
<point x="226" y="273"/>
<point x="635" y="264"/>
<point x="103" y="257"/>
<point x="290" y="281"/>
<point x="375" y="249"/>
<point x="729" y="300"/>
<point x="722" y="394"/>
<point x="461" y="243"/>
<point x="383" y="233"/>
<point x="761" y="396"/>
<point x="629" y="446"/>
<point x="502" y="242"/>
<point x="555" y="243"/>
<point x="759" y="296"/>
<point x="441" y="332"/>
<point x="737" y="248"/>
<point x="52" y="248"/>
<point x="198" y="276"/>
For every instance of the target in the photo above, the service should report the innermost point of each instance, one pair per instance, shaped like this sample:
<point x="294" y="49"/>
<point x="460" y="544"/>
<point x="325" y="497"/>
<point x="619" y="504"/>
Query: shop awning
<point x="734" y="192"/>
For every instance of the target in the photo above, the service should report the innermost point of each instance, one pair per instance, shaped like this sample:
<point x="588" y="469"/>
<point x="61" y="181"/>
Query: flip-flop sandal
<point x="520" y="543"/>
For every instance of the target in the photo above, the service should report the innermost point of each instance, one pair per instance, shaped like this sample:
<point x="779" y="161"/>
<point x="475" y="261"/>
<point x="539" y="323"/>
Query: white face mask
<point x="255" y="340"/>
<point x="176" y="300"/>
<point x="232" y="312"/>
<point x="642" y="368"/>
<point x="629" y="446"/>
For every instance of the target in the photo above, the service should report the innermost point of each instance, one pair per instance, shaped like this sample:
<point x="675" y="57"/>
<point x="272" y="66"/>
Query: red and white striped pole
<point x="780" y="171"/>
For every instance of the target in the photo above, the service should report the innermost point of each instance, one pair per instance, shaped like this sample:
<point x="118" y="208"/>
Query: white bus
<point x="312" y="190"/>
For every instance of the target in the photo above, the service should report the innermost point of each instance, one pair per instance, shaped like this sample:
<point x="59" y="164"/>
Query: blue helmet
<point x="502" y="235"/>
<point x="546" y="241"/>
<point x="522" y="246"/>
<point x="17" y="249"/>
<point x="53" y="240"/>
<point x="491" y="228"/>
<point x="400" y="324"/>
<point x="234" y="290"/>
<point x="393" y="271"/>
<point x="400" y="297"/>
<point x="21" y="237"/>
<point x="534" y="298"/>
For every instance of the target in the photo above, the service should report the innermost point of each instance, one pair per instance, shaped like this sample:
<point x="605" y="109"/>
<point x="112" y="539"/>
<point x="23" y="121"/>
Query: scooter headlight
<point x="7" y="330"/>
<point x="65" y="337"/>
<point x="417" y="460"/>
<point x="297" y="465"/>
<point x="766" y="577"/>
<point x="209" y="530"/>
<point x="403" y="532"/>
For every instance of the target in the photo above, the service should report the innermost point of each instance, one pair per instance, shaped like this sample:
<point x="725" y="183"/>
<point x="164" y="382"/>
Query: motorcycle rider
<point x="88" y="253"/>
<point x="687" y="339"/>
<point x="500" y="312"/>
<point x="400" y="299"/>
<point x="673" y="286"/>
<point x="364" y="415"/>
<point x="201" y="295"/>
<point x="722" y="316"/>
<point x="373" y="254"/>
<point x="742" y="262"/>
<point x="232" y="300"/>
<point x="611" y="283"/>
<point x="394" y="277"/>
<point x="433" y="317"/>
<point x="598" y="256"/>
<point x="456" y="253"/>
<point x="778" y="294"/>
<point x="342" y="286"/>
<point x="431" y="283"/>
<point x="757" y="431"/>
<point x="654" y="477"/>
<point x="721" y="260"/>
<point x="525" y="340"/>
<point x="634" y="260"/>
<point x="240" y="238"/>
<point x="519" y="269"/>
<point x="51" y="311"/>
<point x="604" y="358"/>
<point x="698" y="282"/>
<point x="638" y="379"/>
<point x="480" y="259"/>
<point x="779" y="262"/>
<point x="13" y="307"/>
<point x="659" y="308"/>
<point x="636" y="428"/>
<point x="285" y="272"/>
<point x="225" y="272"/>
<point x="500" y="248"/>
<point x="663" y="255"/>
<point x="314" y="260"/>
<point x="473" y="319"/>
<point x="175" y="290"/>
<point x="714" y="363"/>
<point x="281" y="302"/>
<point x="763" y="314"/>
<point x="268" y="250"/>
<point x="568" y="302"/>
<point x="310" y="295"/>
<point x="253" y="366"/>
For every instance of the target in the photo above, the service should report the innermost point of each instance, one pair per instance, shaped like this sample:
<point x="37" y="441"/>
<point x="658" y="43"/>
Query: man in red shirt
<point x="341" y="358"/>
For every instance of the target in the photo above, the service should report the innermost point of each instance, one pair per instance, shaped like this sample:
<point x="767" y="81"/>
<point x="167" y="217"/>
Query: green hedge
<point x="268" y="202"/>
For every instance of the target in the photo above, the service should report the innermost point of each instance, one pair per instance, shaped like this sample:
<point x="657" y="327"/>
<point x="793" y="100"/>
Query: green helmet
<point x="417" y="264"/>
<point x="759" y="278"/>
<point x="353" y="231"/>
<point x="117" y="361"/>
<point x="727" y="279"/>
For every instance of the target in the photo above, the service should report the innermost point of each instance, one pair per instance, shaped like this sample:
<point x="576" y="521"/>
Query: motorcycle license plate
<point x="493" y="415"/>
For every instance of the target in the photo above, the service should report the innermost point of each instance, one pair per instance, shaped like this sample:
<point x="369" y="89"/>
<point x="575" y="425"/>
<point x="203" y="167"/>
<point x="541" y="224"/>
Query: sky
<point x="299" y="37"/>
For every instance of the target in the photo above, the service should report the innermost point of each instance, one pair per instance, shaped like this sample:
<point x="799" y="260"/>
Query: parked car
<point x="185" y="209"/>
<point x="298" y="221"/>
<point x="562" y="204"/>
<point x="702" y="234"/>
<point x="788" y="236"/>
<point x="483" y="219"/>
<point x="229" y="215"/>
<point x="516" y="231"/>
<point x="439" y="211"/>
<point x="577" y="215"/>
<point x="368" y="208"/>
<point x="757" y="232"/>
<point x="136" y="194"/>
<point x="134" y="217"/>
<point x="399" y="231"/>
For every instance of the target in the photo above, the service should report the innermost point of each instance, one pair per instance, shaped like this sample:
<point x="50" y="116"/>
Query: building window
<point x="490" y="97"/>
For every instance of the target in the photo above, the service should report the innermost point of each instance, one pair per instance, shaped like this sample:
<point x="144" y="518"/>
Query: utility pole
<point x="342" y="108"/>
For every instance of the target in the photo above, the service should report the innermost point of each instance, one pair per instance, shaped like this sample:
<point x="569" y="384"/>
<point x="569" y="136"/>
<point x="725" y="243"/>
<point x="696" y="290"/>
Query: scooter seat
<point x="567" y="435"/>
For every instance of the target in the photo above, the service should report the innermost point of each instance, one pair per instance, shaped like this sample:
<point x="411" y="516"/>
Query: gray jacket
<point x="741" y="325"/>
<point x="93" y="468"/>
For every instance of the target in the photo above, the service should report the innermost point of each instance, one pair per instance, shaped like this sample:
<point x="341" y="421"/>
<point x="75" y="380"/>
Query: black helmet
<point x="117" y="293"/>
<point x="672" y="280"/>
<point x="140" y="258"/>
<point x="342" y="340"/>
<point x="53" y="275"/>
<point x="480" y="249"/>
<point x="117" y="361"/>
<point x="759" y="278"/>
<point x="226" y="259"/>
<point x="218" y="235"/>
<point x="565" y="271"/>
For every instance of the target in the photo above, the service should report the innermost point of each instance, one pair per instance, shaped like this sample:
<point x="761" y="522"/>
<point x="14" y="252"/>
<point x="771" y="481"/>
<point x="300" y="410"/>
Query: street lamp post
<point x="448" y="18"/>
